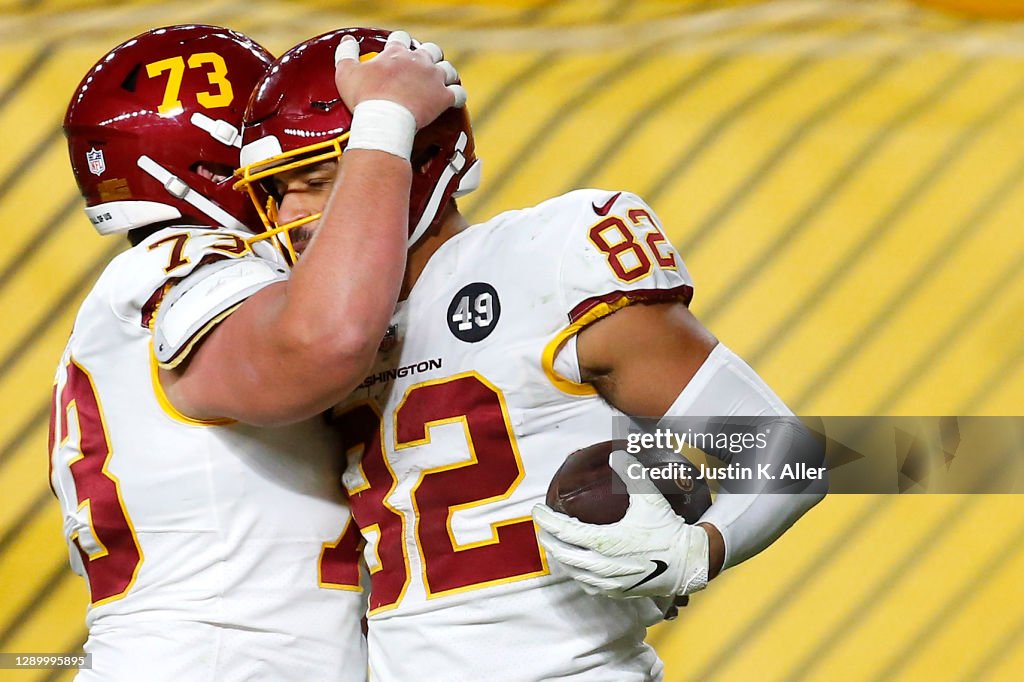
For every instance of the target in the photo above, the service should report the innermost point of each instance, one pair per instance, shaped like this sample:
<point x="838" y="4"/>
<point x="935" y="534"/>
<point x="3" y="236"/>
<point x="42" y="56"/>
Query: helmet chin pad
<point x="470" y="181"/>
<point x="115" y="217"/>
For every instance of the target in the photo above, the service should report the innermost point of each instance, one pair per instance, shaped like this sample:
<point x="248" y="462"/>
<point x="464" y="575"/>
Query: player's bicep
<point x="255" y="368"/>
<point x="210" y="336"/>
<point x="224" y="373"/>
<point x="640" y="357"/>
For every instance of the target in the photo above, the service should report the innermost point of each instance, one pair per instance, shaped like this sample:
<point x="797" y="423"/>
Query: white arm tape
<point x="384" y="126"/>
<point x="726" y="386"/>
<point x="199" y="301"/>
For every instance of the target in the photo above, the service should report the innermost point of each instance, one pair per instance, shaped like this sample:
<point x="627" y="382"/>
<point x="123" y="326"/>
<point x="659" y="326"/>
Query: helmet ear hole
<point x="421" y="160"/>
<point x="214" y="172"/>
<point x="132" y="79"/>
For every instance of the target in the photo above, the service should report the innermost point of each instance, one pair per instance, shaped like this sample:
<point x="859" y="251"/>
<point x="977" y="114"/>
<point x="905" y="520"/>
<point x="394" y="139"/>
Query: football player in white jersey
<point x="198" y="486"/>
<point x="515" y="342"/>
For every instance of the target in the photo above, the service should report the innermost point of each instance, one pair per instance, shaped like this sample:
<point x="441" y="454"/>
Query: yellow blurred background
<point x="845" y="180"/>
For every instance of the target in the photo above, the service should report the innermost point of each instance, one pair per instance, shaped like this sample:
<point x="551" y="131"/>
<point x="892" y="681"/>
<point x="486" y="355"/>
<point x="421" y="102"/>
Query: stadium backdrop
<point x="845" y="180"/>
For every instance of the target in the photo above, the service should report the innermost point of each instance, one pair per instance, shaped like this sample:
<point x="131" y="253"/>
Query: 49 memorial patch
<point x="474" y="311"/>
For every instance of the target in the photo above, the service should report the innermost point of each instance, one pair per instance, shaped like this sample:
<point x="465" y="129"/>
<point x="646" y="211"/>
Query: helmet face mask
<point x="256" y="180"/>
<point x="296" y="119"/>
<point x="154" y="127"/>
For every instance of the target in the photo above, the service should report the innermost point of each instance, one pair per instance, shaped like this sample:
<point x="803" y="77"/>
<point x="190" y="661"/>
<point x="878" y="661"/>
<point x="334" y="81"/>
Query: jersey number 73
<point x="110" y="552"/>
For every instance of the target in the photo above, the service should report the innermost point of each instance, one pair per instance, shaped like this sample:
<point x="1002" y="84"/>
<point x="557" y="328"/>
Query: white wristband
<point x="382" y="125"/>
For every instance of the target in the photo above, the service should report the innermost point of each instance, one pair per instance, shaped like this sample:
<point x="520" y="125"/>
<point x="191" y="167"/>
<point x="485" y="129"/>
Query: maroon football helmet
<point x="155" y="126"/>
<point x="295" y="118"/>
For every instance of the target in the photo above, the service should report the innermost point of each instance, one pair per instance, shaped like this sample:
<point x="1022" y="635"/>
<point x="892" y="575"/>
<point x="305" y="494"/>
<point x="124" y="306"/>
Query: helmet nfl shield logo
<point x="96" y="162"/>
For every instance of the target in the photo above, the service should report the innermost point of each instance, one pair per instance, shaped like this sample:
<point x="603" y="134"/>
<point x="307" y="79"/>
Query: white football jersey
<point x="457" y="432"/>
<point x="201" y="542"/>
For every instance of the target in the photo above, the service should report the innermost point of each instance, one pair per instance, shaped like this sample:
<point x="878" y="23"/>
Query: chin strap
<point x="469" y="182"/>
<point x="220" y="130"/>
<point x="179" y="189"/>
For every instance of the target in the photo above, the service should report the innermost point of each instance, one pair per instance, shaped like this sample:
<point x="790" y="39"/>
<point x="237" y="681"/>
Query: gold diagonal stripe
<point x="68" y="297"/>
<point x="836" y="184"/>
<point x="942" y="252"/>
<point x="812" y="566"/>
<point x="893" y="669"/>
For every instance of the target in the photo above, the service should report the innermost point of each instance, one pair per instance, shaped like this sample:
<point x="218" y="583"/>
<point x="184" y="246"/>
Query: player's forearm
<point x="342" y="292"/>
<point x="715" y="382"/>
<point x="749" y="523"/>
<point x="752" y="516"/>
<point x="716" y="549"/>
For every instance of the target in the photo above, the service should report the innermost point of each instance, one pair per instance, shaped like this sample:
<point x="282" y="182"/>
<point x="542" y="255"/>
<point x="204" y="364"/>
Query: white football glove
<point x="651" y="552"/>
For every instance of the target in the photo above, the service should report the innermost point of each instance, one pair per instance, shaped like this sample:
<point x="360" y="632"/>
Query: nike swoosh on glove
<point x="650" y="552"/>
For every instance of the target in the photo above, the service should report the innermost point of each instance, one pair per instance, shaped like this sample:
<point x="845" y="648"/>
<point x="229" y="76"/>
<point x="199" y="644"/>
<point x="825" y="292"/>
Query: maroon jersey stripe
<point x="682" y="293"/>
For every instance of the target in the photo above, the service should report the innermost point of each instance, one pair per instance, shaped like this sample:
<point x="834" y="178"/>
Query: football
<point x="583" y="486"/>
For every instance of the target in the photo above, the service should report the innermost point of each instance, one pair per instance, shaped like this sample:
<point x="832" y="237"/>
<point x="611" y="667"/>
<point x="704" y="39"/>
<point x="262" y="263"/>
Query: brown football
<point x="583" y="486"/>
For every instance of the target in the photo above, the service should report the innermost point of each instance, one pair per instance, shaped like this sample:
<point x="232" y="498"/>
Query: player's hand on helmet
<point x="651" y="552"/>
<point x="410" y="74"/>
